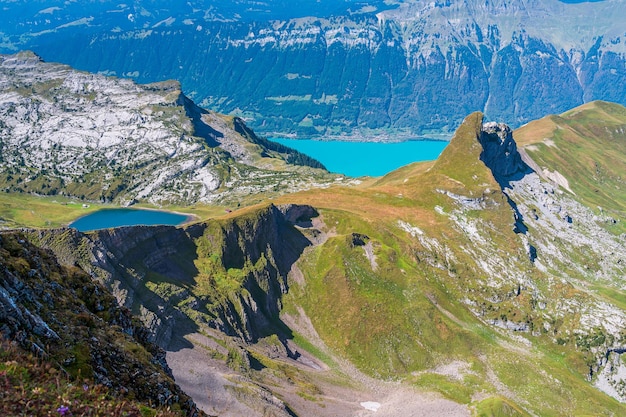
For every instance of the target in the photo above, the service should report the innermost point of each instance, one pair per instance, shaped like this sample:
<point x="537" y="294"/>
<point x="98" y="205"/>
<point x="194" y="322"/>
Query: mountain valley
<point x="375" y="70"/>
<point x="487" y="282"/>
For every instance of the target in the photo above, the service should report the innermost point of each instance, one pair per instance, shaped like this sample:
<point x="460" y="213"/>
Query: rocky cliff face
<point x="414" y="67"/>
<point x="245" y="260"/>
<point x="221" y="278"/>
<point x="500" y="152"/>
<point x="65" y="318"/>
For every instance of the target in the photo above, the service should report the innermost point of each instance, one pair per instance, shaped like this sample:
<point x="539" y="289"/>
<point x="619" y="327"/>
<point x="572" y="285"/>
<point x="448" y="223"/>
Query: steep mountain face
<point x="133" y="262"/>
<point x="224" y="279"/>
<point x="75" y="326"/>
<point x="377" y="69"/>
<point x="490" y="276"/>
<point x="106" y="139"/>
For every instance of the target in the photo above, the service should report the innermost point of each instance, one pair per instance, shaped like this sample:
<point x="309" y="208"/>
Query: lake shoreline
<point x="187" y="218"/>
<point x="391" y="137"/>
<point x="365" y="159"/>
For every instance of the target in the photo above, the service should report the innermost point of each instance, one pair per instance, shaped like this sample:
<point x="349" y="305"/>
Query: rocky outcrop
<point x="269" y="240"/>
<point x="500" y="153"/>
<point x="100" y="138"/>
<point x="261" y="246"/>
<point x="611" y="374"/>
<point x="66" y="318"/>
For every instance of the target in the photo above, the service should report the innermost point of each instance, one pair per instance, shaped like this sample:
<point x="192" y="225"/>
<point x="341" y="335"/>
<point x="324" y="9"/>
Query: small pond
<point x="117" y="217"/>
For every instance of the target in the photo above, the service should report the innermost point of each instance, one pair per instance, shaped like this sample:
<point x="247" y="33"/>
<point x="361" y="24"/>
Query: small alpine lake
<point x="118" y="217"/>
<point x="357" y="159"/>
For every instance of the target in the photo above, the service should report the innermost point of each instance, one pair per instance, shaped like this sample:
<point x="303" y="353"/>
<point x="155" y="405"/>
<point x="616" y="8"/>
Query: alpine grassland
<point x="404" y="288"/>
<point x="586" y="146"/>
<point x="19" y="210"/>
<point x="501" y="295"/>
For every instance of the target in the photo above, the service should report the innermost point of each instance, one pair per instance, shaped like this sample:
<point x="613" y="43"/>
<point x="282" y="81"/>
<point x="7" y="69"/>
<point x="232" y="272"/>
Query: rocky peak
<point x="500" y="152"/>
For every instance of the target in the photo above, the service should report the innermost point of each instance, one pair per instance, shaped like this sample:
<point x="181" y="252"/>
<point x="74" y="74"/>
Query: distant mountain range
<point x="488" y="282"/>
<point x="351" y="68"/>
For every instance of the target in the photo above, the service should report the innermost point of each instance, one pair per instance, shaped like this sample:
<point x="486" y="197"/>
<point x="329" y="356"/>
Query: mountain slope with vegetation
<point x="68" y="348"/>
<point x="487" y="282"/>
<point x="488" y="276"/>
<point x="587" y="145"/>
<point x="375" y="69"/>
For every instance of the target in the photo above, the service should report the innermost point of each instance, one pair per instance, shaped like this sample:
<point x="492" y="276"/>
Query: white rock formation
<point x="103" y="138"/>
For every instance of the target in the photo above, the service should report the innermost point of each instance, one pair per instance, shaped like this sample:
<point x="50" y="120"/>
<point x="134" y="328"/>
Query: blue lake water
<point x="103" y="219"/>
<point x="357" y="159"/>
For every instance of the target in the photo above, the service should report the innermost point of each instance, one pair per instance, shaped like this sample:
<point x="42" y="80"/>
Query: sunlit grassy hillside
<point x="423" y="277"/>
<point x="437" y="273"/>
<point x="587" y="146"/>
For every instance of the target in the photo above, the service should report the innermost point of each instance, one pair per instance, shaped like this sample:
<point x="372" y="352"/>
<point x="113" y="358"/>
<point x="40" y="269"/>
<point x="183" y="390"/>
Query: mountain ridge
<point x="457" y="246"/>
<point x="65" y="319"/>
<point x="480" y="276"/>
<point x="406" y="64"/>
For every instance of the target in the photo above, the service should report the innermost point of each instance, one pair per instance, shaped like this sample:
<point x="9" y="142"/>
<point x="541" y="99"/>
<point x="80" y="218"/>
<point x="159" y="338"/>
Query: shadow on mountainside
<point x="201" y="129"/>
<point x="271" y="242"/>
<point x="174" y="278"/>
<point x="501" y="156"/>
<point x="156" y="271"/>
<point x="153" y="270"/>
<point x="59" y="312"/>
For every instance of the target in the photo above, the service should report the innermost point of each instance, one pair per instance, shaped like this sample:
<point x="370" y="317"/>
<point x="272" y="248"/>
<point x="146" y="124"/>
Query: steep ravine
<point x="263" y="244"/>
<point x="224" y="277"/>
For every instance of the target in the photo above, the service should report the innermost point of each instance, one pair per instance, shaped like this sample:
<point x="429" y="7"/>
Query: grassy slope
<point x="588" y="145"/>
<point x="32" y="386"/>
<point x="404" y="318"/>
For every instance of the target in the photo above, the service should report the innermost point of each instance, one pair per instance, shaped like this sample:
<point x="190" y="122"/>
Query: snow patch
<point x="370" y="405"/>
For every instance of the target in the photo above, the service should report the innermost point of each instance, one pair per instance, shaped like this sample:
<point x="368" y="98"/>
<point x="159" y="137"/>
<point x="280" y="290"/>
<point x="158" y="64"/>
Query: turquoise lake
<point x="357" y="159"/>
<point x="103" y="219"/>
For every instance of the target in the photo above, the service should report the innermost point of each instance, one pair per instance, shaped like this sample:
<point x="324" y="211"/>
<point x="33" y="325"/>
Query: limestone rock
<point x="500" y="152"/>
